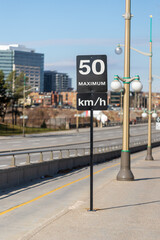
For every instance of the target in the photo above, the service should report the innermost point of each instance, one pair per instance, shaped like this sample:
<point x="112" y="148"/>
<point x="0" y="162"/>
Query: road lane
<point x="41" y="201"/>
<point x="61" y="138"/>
<point x="106" y="137"/>
<point x="35" y="157"/>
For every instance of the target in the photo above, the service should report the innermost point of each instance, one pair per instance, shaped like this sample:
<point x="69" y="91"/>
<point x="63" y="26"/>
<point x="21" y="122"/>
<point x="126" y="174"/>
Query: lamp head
<point x="118" y="49"/>
<point x="136" y="84"/>
<point x="144" y="114"/>
<point x="116" y="84"/>
<point x="154" y="115"/>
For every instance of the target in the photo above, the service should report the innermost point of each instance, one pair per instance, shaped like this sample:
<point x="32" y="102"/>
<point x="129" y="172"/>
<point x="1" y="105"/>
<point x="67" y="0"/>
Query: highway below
<point x="71" y="137"/>
<point x="103" y="137"/>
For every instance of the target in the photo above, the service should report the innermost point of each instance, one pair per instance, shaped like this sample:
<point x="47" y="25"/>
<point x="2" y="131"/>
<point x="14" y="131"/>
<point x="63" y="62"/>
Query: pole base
<point x="149" y="156"/>
<point x="125" y="174"/>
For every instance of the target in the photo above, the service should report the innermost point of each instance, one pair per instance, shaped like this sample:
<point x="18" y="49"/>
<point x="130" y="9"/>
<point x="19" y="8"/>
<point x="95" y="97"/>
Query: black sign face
<point x="92" y="73"/>
<point x="95" y="101"/>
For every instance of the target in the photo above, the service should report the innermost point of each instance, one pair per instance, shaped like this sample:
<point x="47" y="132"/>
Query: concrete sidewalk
<point x="124" y="210"/>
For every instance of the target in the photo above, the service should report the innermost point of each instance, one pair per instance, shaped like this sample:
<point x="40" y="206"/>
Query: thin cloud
<point x="87" y="41"/>
<point x="145" y="42"/>
<point x="71" y="42"/>
<point x="61" y="64"/>
<point x="72" y="64"/>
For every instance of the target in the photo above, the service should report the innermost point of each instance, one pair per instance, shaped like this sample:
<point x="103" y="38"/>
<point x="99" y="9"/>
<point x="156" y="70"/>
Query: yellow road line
<point x="54" y="190"/>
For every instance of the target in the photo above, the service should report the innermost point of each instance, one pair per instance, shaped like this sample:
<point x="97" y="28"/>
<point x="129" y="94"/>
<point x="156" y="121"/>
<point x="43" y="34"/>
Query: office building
<point x="21" y="59"/>
<point x="115" y="98"/>
<point x="56" y="82"/>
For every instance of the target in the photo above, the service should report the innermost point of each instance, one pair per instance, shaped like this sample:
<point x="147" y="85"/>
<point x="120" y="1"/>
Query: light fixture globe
<point x="144" y="114"/>
<point x="98" y="117"/>
<point x="136" y="85"/>
<point x="154" y="115"/>
<point x="118" y="50"/>
<point x="116" y="86"/>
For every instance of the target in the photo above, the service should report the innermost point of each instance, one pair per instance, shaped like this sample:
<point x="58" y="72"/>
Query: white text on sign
<point x="91" y="103"/>
<point x="87" y="69"/>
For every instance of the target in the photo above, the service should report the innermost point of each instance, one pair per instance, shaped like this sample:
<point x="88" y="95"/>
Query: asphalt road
<point x="63" y="139"/>
<point x="69" y="140"/>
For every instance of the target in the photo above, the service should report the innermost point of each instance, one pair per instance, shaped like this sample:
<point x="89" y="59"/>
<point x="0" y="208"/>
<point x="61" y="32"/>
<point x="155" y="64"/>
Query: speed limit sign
<point x="92" y="73"/>
<point x="91" y="88"/>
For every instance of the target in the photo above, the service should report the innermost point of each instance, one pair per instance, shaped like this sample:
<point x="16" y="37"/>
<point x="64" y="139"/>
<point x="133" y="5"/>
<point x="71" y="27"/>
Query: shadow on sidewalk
<point x="144" y="179"/>
<point x="129" y="205"/>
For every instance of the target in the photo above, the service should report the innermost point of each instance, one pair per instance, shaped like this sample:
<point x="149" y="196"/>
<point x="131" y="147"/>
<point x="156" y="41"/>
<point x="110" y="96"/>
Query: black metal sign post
<point x="92" y="94"/>
<point x="91" y="160"/>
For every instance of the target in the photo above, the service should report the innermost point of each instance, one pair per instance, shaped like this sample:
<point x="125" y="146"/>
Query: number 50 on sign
<point x="92" y="73"/>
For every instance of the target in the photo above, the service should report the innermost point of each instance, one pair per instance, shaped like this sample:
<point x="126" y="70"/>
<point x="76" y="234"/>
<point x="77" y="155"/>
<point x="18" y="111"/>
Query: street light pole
<point x="13" y="89"/>
<point x="125" y="173"/>
<point x="77" y="122"/>
<point x="24" y="105"/>
<point x="149" y="147"/>
<point x="118" y="51"/>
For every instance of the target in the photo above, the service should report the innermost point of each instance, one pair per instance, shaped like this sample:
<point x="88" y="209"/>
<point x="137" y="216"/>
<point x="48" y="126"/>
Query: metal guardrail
<point x="67" y="153"/>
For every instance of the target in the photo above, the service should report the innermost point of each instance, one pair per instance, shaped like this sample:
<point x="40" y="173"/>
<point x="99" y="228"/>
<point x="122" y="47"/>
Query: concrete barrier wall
<point x="23" y="174"/>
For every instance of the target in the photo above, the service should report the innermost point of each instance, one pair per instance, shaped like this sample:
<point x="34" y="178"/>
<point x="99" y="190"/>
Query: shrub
<point x="43" y="125"/>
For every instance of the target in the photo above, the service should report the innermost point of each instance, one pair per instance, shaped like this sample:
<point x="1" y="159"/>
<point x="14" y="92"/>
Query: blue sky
<point x="63" y="29"/>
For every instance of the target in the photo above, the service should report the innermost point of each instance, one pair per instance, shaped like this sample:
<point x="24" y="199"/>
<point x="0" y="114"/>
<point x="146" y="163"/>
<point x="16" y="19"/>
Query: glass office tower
<point x="21" y="59"/>
<point x="56" y="82"/>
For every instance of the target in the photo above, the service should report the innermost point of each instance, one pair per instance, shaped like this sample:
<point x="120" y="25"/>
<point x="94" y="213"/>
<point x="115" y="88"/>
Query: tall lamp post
<point x="149" y="147"/>
<point x="24" y="87"/>
<point x="118" y="50"/>
<point x="125" y="173"/>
